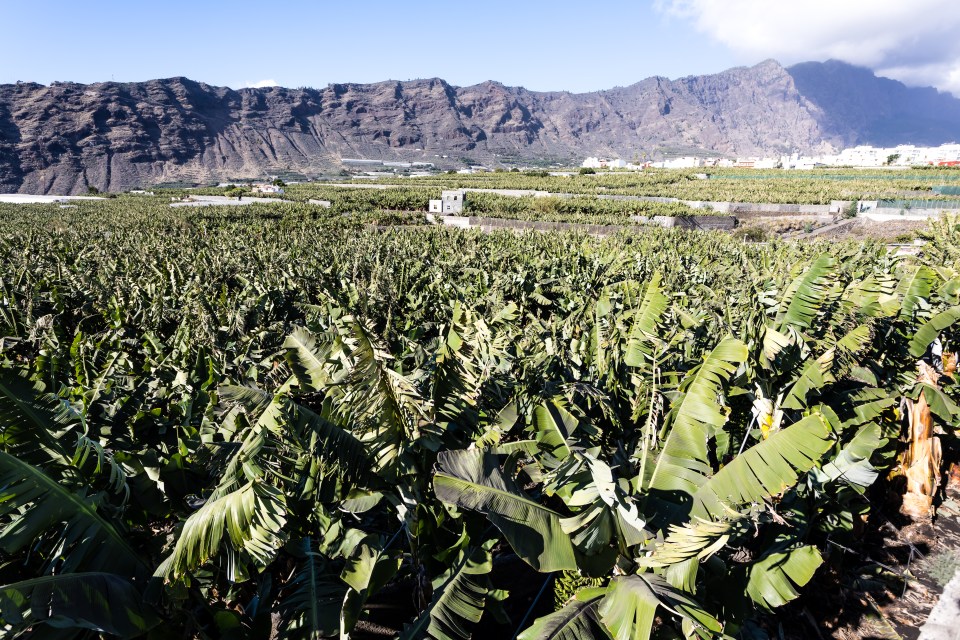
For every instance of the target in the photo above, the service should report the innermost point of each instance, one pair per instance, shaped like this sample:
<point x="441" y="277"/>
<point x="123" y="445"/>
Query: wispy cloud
<point x="911" y="41"/>
<point x="260" y="84"/>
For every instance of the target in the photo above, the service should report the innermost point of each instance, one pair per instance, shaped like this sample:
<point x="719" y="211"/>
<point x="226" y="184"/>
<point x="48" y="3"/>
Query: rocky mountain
<point x="860" y="108"/>
<point x="65" y="137"/>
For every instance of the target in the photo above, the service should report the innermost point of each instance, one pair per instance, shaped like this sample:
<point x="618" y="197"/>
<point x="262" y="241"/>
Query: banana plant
<point x="63" y="499"/>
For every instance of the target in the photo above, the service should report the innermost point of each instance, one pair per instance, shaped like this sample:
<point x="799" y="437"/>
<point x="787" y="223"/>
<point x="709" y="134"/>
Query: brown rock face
<point x="66" y="137"/>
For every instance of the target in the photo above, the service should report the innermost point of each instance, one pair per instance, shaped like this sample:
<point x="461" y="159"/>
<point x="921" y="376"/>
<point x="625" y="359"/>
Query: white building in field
<point x="267" y="188"/>
<point x="604" y="163"/>
<point x="756" y="163"/>
<point x="449" y="204"/>
<point x="686" y="162"/>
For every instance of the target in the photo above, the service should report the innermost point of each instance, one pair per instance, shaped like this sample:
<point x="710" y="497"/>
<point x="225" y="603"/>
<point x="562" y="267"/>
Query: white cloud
<point x="261" y="84"/>
<point x="913" y="41"/>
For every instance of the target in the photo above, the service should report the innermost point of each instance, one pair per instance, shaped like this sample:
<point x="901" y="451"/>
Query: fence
<point x="947" y="190"/>
<point x="725" y="223"/>
<point x="918" y="204"/>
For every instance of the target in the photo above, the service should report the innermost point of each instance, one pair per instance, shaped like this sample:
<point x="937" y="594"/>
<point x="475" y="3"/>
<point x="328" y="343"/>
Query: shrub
<point x="751" y="234"/>
<point x="943" y="566"/>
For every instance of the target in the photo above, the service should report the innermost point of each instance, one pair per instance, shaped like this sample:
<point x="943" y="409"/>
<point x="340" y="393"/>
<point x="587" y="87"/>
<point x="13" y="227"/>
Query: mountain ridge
<point x="65" y="137"/>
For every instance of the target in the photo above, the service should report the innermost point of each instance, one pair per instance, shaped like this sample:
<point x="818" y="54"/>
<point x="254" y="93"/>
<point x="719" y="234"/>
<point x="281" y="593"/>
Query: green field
<point x="818" y="186"/>
<point x="283" y="420"/>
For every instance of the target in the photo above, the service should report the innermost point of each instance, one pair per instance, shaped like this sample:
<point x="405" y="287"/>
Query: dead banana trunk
<point x="921" y="460"/>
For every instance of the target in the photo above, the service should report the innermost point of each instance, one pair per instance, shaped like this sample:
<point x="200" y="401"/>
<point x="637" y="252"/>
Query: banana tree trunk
<point x="921" y="460"/>
<point x="953" y="474"/>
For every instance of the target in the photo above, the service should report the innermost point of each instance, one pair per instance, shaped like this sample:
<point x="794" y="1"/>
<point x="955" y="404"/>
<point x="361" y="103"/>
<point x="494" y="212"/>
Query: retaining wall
<point x="886" y="215"/>
<point x="766" y="216"/>
<point x="452" y="221"/>
<point x="488" y="224"/>
<point x="693" y="222"/>
<point x="764" y="207"/>
<point x="724" y="223"/>
<point x="742" y="207"/>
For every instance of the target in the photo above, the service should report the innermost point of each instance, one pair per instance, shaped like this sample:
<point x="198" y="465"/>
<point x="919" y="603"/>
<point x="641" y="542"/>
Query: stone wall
<point x="888" y="215"/>
<point x="768" y="217"/>
<point x="693" y="222"/>
<point x="765" y="207"/>
<point x="488" y="224"/>
<point x="724" y="223"/>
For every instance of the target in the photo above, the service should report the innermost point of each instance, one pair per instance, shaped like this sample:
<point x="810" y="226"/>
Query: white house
<point x="755" y="163"/>
<point x="450" y="203"/>
<point x="603" y="163"/>
<point x="686" y="162"/>
<point x="267" y="188"/>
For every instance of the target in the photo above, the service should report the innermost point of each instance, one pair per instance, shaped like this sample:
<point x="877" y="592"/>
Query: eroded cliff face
<point x="860" y="108"/>
<point x="114" y="136"/>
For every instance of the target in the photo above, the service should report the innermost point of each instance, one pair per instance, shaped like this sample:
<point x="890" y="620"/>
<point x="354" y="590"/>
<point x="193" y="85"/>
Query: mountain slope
<point x="62" y="138"/>
<point x="860" y="108"/>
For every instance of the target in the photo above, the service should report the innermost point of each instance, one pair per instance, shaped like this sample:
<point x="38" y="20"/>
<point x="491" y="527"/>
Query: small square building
<point x="449" y="204"/>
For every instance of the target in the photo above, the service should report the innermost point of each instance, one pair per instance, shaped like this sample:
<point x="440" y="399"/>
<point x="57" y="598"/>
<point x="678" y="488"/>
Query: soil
<point x="884" y="586"/>
<point x="892" y="231"/>
<point x="899" y="231"/>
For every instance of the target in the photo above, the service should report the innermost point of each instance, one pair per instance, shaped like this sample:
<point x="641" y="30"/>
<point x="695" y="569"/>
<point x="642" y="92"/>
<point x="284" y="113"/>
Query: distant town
<point x="947" y="155"/>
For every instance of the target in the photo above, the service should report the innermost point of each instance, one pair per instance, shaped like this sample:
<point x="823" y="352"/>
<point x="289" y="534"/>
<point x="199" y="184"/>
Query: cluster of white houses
<point x="259" y="187"/>
<point x="947" y="155"/>
<point x="905" y="155"/>
<point x="685" y="162"/>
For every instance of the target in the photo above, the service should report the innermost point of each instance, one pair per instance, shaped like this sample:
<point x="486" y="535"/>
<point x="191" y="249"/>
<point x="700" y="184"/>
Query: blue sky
<point x="575" y="46"/>
<point x="543" y="45"/>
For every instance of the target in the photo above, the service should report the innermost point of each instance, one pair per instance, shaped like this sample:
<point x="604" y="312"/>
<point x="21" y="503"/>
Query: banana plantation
<point x="817" y="186"/>
<point x="283" y="423"/>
